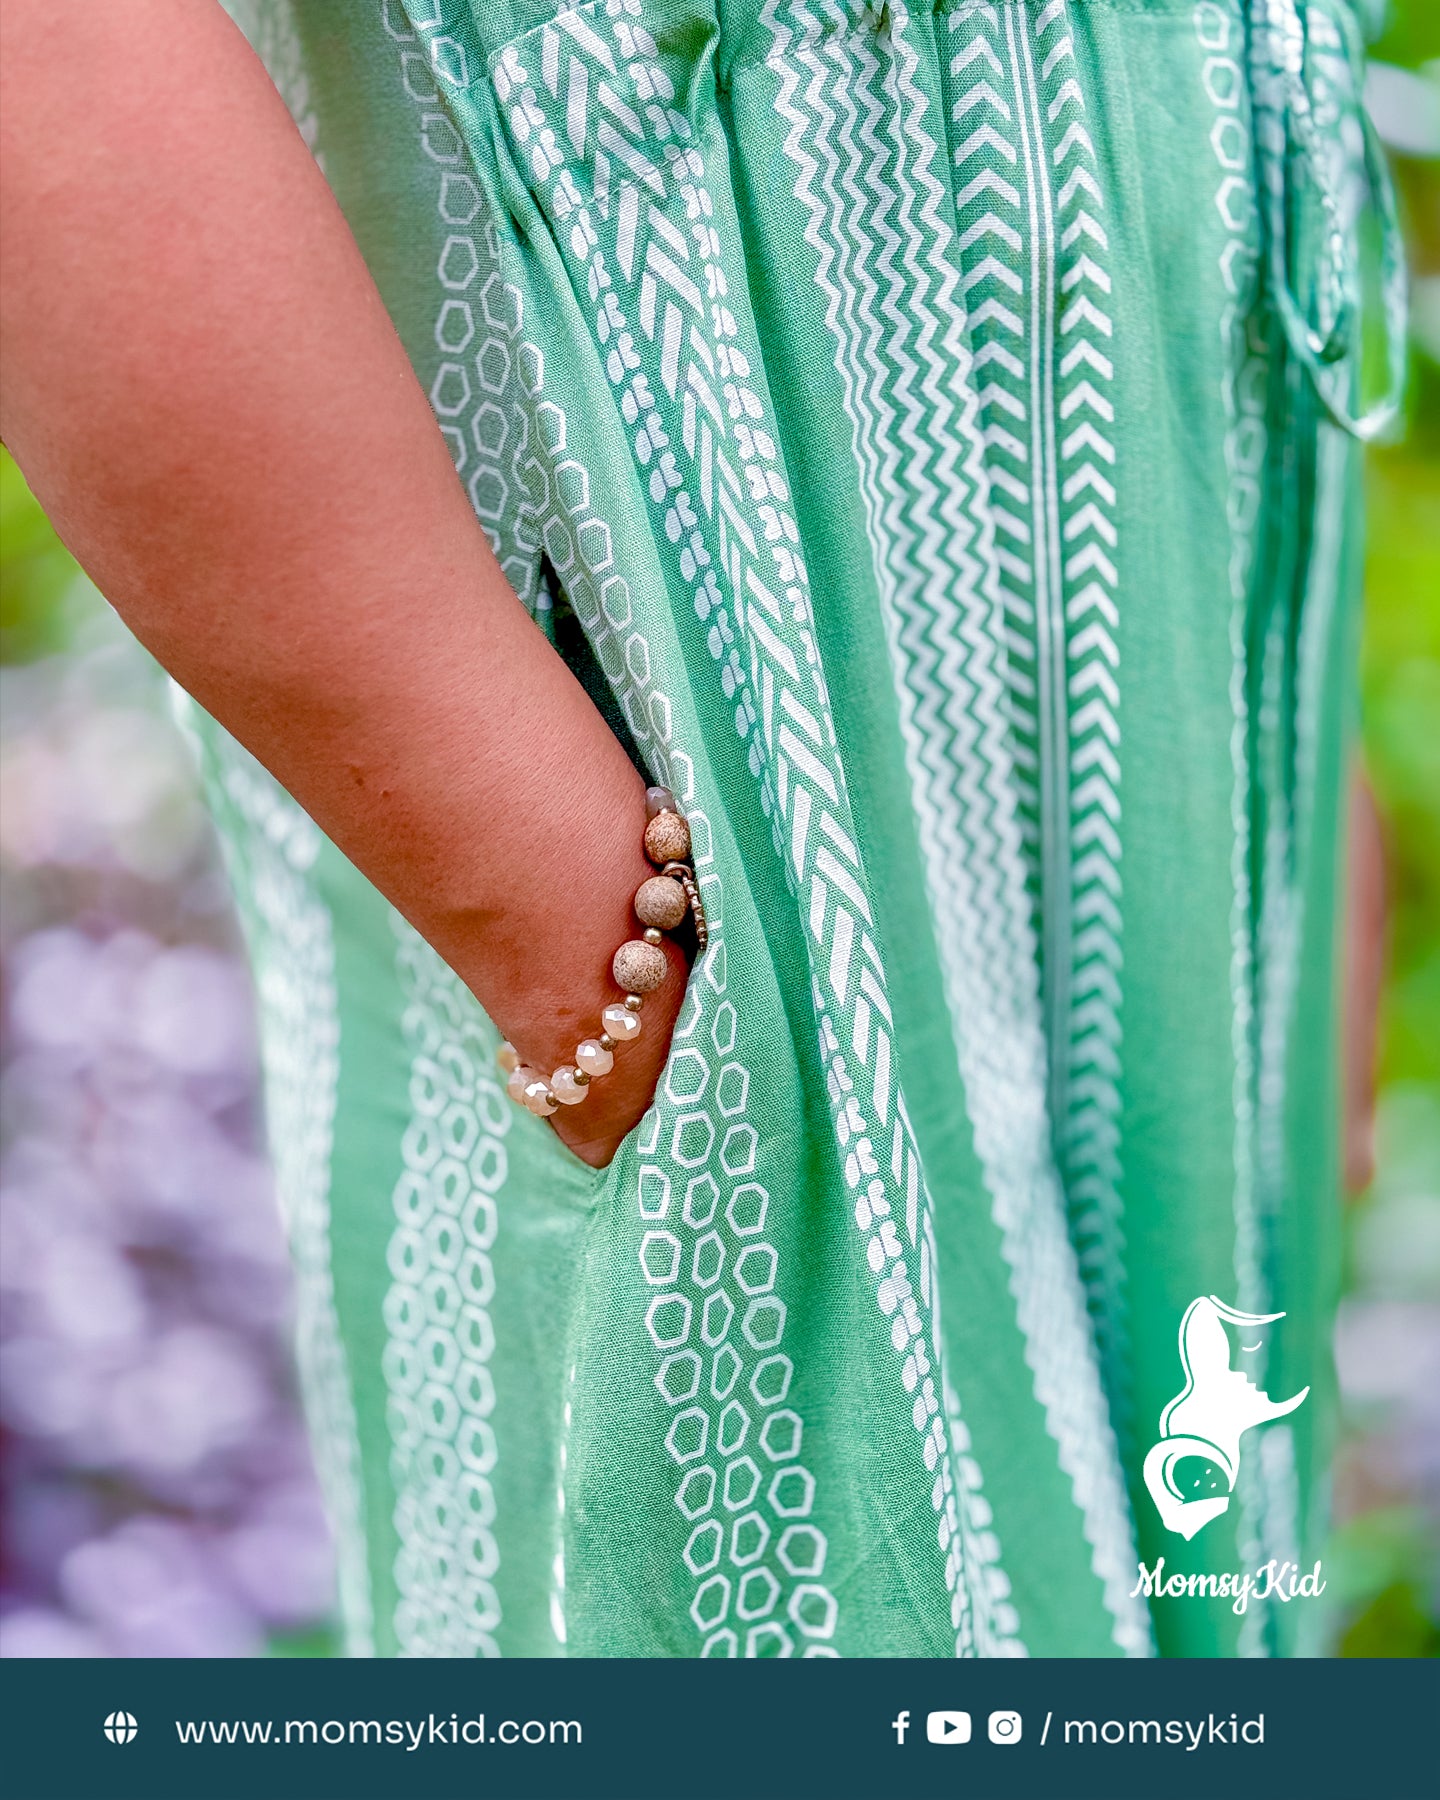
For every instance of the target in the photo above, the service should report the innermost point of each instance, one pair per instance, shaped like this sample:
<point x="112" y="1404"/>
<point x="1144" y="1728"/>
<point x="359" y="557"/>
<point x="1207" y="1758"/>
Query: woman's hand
<point x="543" y="972"/>
<point x="616" y="1102"/>
<point x="203" y="388"/>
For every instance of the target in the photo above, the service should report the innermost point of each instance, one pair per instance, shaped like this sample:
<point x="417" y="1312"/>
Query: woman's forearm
<point x="203" y="387"/>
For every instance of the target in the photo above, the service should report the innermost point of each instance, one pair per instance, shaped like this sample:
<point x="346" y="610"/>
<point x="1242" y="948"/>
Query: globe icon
<point x="120" y="1727"/>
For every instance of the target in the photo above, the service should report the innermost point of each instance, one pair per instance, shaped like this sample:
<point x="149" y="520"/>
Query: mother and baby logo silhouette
<point x="1202" y="1426"/>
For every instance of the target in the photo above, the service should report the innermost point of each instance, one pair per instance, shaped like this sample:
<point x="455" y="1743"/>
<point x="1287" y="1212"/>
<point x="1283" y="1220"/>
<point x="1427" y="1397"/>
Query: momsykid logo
<point x="120" y="1727"/>
<point x="1202" y="1426"/>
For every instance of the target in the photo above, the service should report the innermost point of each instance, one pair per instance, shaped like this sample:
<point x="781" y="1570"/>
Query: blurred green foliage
<point x="36" y="574"/>
<point x="1384" y="1562"/>
<point x="1400" y="692"/>
<point x="1411" y="34"/>
<point x="1400" y="667"/>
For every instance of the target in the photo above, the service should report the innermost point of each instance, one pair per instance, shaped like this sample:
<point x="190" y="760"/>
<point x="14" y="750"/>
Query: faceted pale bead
<point x="621" y="1023"/>
<point x="519" y="1076"/>
<point x="566" y="1089"/>
<point x="658" y="800"/>
<point x="639" y="967"/>
<point x="594" y="1058"/>
<point x="508" y="1058"/>
<point x="537" y="1097"/>
<point x="661" y="902"/>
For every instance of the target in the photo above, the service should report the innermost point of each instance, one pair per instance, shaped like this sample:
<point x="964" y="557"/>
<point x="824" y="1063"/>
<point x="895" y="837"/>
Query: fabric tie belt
<point x="1309" y="192"/>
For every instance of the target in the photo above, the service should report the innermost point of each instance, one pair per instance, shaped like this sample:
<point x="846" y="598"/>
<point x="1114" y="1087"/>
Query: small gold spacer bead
<point x="564" y="1086"/>
<point x="634" y="1002"/>
<point x="538" y="1098"/>
<point x="653" y="935"/>
<point x="606" y="1041"/>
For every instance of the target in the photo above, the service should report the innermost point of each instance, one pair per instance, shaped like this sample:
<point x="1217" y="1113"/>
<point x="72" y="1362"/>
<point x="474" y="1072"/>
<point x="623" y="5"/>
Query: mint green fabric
<point x="923" y="431"/>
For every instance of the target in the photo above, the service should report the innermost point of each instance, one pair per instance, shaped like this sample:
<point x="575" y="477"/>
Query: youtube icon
<point x="948" y="1727"/>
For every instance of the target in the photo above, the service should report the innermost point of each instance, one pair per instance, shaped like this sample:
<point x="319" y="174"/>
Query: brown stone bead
<point x="661" y="902"/>
<point x="658" y="800"/>
<point x="639" y="968"/>
<point x="667" y="838"/>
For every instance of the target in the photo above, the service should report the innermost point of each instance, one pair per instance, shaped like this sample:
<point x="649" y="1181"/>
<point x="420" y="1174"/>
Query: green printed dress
<point x="930" y="435"/>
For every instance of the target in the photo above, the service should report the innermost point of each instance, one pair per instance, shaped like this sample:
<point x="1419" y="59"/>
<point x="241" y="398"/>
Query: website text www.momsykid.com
<point x="411" y="1733"/>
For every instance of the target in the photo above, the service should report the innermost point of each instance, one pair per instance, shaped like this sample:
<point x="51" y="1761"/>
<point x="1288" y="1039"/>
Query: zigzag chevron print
<point x="1031" y="210"/>
<point x="895" y="273"/>
<point x="607" y="94"/>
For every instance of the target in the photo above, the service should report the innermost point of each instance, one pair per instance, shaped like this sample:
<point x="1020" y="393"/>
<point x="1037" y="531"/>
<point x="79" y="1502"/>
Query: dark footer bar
<point x="830" y="1730"/>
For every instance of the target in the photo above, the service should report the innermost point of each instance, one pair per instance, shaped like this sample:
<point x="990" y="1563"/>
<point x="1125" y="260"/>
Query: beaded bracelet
<point x="662" y="903"/>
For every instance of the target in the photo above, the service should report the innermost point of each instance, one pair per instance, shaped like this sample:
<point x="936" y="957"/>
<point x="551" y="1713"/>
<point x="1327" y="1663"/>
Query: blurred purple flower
<point x="158" y="1489"/>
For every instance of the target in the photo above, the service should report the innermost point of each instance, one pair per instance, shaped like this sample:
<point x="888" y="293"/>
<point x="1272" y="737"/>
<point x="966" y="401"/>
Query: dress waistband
<point x="1303" y="173"/>
<point x="1312" y="189"/>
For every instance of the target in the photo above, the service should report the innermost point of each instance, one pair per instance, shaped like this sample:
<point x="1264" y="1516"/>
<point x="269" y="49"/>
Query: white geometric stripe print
<point x="507" y="438"/>
<point x="1266" y="1491"/>
<point x="876" y="222"/>
<point x="991" y="1631"/>
<point x="1288" y="833"/>
<point x="439" y="1334"/>
<point x="293" y="947"/>
<point x="743" y="1490"/>
<point x="1031" y="210"/>
<point x="470" y="377"/>
<point x="715" y="1274"/>
<point x="626" y="188"/>
<point x="546" y="502"/>
<point x="1245" y="388"/>
<point x="509" y="445"/>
